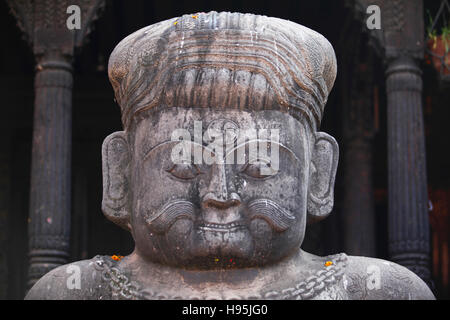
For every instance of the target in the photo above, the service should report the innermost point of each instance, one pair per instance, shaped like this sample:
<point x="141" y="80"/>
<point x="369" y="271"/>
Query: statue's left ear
<point x="116" y="194"/>
<point x="324" y="161"/>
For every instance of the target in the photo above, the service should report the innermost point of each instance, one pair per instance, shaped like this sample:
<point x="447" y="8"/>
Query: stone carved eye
<point x="260" y="169"/>
<point x="185" y="171"/>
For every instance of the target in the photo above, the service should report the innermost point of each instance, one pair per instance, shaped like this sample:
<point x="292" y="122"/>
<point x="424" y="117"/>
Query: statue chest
<point x="324" y="284"/>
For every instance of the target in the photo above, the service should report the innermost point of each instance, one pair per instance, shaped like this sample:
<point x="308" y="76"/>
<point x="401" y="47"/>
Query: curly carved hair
<point x="224" y="60"/>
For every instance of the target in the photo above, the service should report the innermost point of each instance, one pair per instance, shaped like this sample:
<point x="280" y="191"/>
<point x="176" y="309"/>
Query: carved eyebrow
<point x="160" y="145"/>
<point x="282" y="146"/>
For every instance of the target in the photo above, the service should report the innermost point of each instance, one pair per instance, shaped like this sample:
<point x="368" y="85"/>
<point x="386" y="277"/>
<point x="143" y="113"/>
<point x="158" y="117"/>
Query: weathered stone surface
<point x="207" y="225"/>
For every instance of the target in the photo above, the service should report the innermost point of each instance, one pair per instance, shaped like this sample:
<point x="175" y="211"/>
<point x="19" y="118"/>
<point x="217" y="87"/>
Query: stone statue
<point x="220" y="168"/>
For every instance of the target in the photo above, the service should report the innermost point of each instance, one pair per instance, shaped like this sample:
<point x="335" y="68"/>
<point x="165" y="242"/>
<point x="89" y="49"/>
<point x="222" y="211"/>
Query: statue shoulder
<point x="80" y="280"/>
<point x="373" y="279"/>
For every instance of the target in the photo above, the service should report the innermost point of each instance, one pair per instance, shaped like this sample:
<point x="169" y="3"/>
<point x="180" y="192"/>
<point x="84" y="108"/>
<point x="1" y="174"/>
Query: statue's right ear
<point x="116" y="193"/>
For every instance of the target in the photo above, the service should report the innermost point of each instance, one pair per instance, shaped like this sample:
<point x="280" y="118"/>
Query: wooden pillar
<point x="50" y="193"/>
<point x="408" y="211"/>
<point x="45" y="25"/>
<point x="400" y="41"/>
<point x="408" y="222"/>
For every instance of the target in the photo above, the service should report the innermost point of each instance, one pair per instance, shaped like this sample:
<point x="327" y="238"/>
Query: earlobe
<point x="324" y="161"/>
<point x="115" y="167"/>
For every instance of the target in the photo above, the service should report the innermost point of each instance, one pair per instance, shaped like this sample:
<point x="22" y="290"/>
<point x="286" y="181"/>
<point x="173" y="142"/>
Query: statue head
<point x="220" y="162"/>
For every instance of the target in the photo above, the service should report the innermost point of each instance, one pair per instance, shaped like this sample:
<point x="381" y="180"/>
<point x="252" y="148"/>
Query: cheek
<point x="287" y="191"/>
<point x="179" y="238"/>
<point x="292" y="193"/>
<point x="262" y="234"/>
<point x="179" y="233"/>
<point x="146" y="242"/>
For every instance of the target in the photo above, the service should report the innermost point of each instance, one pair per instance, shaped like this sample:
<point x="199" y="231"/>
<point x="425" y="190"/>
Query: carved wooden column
<point x="408" y="213"/>
<point x="409" y="238"/>
<point x="50" y="194"/>
<point x="44" y="23"/>
<point x="400" y="41"/>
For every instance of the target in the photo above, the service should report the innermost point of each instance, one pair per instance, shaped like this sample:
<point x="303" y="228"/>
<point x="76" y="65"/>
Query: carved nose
<point x="211" y="200"/>
<point x="217" y="195"/>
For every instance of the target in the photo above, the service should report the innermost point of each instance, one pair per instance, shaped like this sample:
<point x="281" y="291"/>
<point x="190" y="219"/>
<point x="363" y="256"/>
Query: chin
<point x="208" y="246"/>
<point x="213" y="247"/>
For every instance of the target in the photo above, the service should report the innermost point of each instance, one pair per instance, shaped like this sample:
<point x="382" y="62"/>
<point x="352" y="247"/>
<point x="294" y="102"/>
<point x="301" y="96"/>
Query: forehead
<point x="157" y="127"/>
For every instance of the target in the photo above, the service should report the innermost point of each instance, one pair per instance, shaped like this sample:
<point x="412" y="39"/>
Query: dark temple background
<point x="356" y="114"/>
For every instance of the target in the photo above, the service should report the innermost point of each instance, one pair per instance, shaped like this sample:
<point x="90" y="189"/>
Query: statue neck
<point x="169" y="282"/>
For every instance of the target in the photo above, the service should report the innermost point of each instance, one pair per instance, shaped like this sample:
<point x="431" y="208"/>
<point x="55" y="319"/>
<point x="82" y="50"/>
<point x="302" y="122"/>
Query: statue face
<point x="212" y="213"/>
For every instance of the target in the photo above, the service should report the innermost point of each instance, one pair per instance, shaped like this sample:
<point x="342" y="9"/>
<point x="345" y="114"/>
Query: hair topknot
<point x="224" y="60"/>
